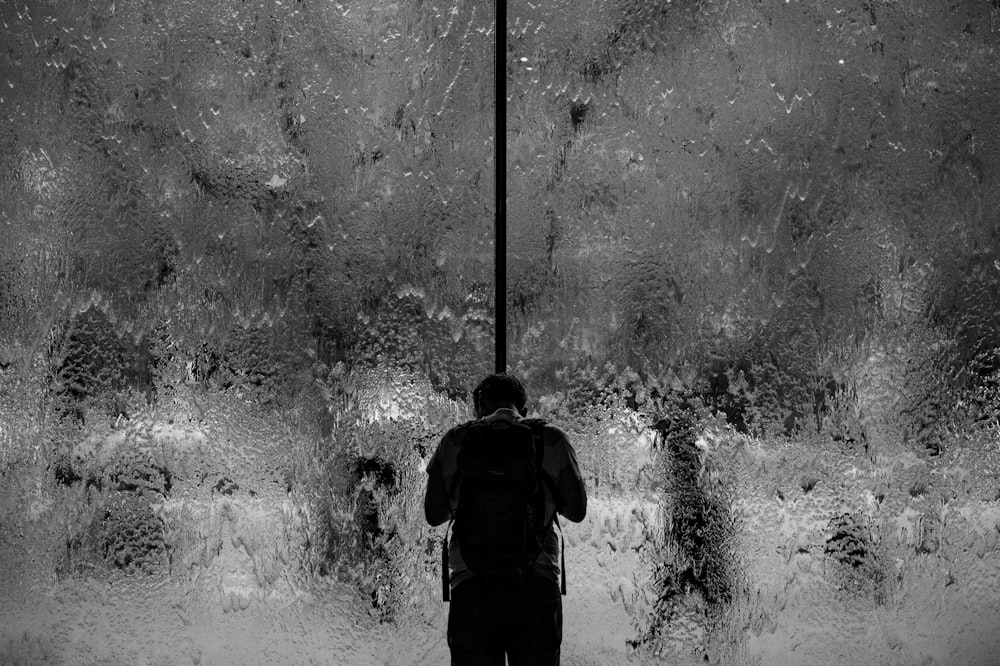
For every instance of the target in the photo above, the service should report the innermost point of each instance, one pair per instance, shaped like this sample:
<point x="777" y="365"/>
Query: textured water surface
<point x="246" y="283"/>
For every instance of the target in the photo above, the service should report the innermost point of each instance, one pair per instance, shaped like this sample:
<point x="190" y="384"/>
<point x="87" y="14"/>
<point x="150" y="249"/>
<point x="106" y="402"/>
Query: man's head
<point x="499" y="391"/>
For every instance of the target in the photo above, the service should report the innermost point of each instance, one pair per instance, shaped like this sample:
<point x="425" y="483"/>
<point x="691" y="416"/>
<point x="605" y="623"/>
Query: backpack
<point x="499" y="495"/>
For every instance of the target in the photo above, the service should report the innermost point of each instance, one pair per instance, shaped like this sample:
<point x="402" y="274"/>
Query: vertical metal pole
<point x="500" y="167"/>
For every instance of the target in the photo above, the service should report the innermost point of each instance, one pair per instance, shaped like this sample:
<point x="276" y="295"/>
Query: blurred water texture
<point x="246" y="283"/>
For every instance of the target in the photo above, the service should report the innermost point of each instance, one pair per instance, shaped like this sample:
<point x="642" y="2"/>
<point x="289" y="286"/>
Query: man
<point x="497" y="611"/>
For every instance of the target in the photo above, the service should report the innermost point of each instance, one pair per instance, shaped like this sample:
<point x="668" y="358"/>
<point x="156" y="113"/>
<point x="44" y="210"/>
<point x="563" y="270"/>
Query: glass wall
<point x="765" y="235"/>
<point x="246" y="282"/>
<point x="245" y="277"/>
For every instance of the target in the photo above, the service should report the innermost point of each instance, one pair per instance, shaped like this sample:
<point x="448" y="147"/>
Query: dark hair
<point x="500" y="388"/>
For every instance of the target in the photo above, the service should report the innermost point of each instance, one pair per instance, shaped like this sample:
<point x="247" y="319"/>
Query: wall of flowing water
<point x="246" y="283"/>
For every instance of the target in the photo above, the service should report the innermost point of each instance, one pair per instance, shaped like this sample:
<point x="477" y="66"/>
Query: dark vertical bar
<point x="500" y="167"/>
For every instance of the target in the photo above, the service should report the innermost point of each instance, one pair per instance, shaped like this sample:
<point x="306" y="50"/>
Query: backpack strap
<point x="536" y="431"/>
<point x="445" y="572"/>
<point x="562" y="556"/>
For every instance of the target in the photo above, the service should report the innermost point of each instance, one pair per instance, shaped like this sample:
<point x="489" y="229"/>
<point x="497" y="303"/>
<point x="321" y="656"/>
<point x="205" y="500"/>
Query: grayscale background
<point x="246" y="283"/>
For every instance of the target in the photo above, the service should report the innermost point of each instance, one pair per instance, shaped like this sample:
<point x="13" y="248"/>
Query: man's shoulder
<point x="456" y="433"/>
<point x="447" y="450"/>
<point x="554" y="435"/>
<point x="466" y="425"/>
<point x="537" y="422"/>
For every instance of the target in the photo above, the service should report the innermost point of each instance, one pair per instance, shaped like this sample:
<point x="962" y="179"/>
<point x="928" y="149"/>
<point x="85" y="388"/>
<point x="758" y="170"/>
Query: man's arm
<point x="436" y="505"/>
<point x="572" y="491"/>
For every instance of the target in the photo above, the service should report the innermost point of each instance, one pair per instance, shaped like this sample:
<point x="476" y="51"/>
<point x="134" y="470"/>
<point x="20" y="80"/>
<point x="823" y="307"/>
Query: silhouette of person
<point x="513" y="613"/>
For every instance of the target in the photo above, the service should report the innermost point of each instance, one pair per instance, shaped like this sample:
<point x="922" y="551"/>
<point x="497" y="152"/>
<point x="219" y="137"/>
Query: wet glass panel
<point x="245" y="282"/>
<point x="762" y="235"/>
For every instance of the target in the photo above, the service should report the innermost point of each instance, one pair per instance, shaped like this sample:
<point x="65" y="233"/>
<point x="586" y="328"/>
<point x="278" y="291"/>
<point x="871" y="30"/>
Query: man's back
<point x="498" y="610"/>
<point x="499" y="496"/>
<point x="558" y="484"/>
